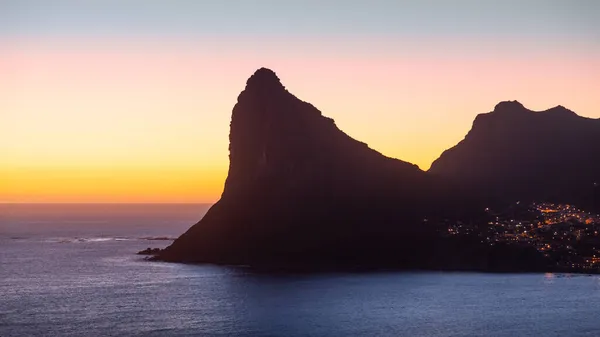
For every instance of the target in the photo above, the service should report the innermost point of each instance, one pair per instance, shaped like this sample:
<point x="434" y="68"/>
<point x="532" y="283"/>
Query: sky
<point x="130" y="100"/>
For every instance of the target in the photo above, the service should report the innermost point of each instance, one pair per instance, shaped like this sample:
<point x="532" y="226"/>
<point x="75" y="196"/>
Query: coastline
<point x="153" y="255"/>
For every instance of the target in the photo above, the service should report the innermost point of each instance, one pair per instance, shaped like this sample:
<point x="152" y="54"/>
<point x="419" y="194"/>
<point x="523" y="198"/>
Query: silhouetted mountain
<point x="513" y="153"/>
<point x="297" y="186"/>
<point x="300" y="192"/>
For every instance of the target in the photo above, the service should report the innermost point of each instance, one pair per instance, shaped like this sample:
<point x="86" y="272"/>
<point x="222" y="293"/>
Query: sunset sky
<point x="130" y="101"/>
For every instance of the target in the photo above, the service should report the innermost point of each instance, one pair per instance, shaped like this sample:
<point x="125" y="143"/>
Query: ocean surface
<point x="71" y="270"/>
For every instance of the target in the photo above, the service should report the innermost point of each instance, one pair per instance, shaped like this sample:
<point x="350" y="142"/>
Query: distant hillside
<point x="513" y="153"/>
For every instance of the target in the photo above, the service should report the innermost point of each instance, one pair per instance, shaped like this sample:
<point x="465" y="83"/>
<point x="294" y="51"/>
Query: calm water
<point x="71" y="270"/>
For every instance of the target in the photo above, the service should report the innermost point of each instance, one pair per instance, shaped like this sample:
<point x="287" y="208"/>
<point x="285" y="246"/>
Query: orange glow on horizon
<point x="124" y="185"/>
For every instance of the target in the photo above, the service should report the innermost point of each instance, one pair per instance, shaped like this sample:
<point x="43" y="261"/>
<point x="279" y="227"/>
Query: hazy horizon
<point x="114" y="102"/>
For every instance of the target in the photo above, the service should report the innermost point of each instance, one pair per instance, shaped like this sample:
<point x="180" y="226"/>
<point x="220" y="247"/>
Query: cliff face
<point x="279" y="141"/>
<point x="299" y="190"/>
<point x="513" y="153"/>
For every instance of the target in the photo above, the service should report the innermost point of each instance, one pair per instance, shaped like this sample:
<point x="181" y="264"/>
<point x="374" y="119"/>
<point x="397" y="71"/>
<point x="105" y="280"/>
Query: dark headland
<point x="302" y="195"/>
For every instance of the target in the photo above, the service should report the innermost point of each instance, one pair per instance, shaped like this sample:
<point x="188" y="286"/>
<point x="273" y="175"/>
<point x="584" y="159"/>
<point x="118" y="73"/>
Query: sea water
<point x="71" y="270"/>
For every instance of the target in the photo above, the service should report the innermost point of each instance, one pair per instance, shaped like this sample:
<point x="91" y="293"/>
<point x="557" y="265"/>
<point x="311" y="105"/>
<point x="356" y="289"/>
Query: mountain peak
<point x="559" y="109"/>
<point x="516" y="109"/>
<point x="273" y="130"/>
<point x="263" y="78"/>
<point x="509" y="106"/>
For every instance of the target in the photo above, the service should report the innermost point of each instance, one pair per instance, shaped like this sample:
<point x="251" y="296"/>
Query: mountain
<point x="298" y="187"/>
<point x="300" y="193"/>
<point x="513" y="154"/>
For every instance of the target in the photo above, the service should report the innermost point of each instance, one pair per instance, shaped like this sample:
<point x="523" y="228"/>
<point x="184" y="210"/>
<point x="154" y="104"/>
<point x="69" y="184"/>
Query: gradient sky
<point x="130" y="101"/>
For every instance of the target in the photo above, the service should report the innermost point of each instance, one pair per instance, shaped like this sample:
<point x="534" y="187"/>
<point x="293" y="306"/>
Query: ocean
<point x="71" y="270"/>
